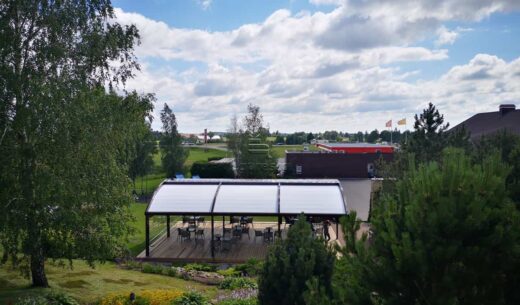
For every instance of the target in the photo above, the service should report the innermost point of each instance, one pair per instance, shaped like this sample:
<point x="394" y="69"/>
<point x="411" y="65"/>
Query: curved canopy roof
<point x="248" y="197"/>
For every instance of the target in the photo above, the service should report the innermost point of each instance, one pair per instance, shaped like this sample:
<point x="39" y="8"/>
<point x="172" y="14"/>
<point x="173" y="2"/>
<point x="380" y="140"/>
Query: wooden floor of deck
<point x="172" y="249"/>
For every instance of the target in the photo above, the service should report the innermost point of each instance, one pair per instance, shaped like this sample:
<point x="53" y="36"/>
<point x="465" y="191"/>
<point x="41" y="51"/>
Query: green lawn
<point x="136" y="242"/>
<point x="88" y="285"/>
<point x="200" y="154"/>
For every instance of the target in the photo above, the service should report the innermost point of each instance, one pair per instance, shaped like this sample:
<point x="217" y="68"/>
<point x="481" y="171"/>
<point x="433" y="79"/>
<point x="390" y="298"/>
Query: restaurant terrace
<point x="232" y="220"/>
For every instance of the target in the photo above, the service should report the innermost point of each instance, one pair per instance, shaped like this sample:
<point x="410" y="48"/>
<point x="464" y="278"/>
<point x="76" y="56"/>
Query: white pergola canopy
<point x="248" y="197"/>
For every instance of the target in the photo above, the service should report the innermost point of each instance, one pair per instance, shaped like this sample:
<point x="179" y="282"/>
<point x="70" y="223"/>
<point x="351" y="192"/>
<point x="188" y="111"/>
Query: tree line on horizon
<point x="375" y="136"/>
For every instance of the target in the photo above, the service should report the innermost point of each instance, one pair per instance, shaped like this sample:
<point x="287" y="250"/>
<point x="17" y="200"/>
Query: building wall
<point x="331" y="165"/>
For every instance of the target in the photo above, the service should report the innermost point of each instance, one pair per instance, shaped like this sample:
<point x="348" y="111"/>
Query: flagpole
<point x="406" y="133"/>
<point x="391" y="140"/>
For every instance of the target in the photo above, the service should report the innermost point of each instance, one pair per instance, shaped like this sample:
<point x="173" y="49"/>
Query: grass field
<point x="88" y="285"/>
<point x="136" y="242"/>
<point x="200" y="154"/>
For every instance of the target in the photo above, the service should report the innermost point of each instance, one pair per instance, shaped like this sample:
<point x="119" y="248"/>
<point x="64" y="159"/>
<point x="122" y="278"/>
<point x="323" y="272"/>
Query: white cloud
<point x="445" y="36"/>
<point x="319" y="71"/>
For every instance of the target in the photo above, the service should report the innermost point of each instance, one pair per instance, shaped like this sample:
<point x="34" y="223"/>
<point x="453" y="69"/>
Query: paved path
<point x="217" y="147"/>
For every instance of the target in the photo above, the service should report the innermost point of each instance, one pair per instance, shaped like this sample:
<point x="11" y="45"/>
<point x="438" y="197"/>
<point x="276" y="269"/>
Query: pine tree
<point x="295" y="264"/>
<point x="429" y="137"/>
<point x="449" y="234"/>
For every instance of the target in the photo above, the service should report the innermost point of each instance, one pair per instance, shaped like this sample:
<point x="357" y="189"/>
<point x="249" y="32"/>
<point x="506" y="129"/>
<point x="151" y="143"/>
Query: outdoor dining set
<point x="192" y="225"/>
<point x="193" y="230"/>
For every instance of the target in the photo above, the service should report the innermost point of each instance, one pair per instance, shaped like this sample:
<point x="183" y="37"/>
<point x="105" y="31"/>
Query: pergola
<point x="245" y="197"/>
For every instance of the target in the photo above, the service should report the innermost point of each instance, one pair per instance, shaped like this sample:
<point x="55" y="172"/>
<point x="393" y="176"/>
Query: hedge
<point x="212" y="170"/>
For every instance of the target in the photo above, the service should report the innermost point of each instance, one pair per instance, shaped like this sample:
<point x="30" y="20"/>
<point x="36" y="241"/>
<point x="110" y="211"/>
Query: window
<point x="299" y="169"/>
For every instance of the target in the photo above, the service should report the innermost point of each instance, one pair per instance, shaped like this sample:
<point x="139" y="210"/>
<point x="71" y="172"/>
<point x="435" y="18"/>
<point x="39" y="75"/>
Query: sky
<point x="316" y="65"/>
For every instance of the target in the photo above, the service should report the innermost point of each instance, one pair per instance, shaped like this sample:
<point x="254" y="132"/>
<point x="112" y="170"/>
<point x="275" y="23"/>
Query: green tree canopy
<point x="293" y="265"/>
<point x="64" y="186"/>
<point x="449" y="234"/>
<point x="142" y="151"/>
<point x="507" y="145"/>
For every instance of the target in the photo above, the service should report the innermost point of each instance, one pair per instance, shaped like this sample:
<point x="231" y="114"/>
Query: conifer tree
<point x="449" y="234"/>
<point x="293" y="265"/>
<point x="429" y="136"/>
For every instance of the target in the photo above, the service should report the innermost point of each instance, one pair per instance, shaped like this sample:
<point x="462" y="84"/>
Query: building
<point x="481" y="124"/>
<point x="357" y="148"/>
<point x="338" y="160"/>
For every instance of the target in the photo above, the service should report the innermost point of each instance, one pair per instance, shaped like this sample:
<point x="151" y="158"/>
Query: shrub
<point x="252" y="267"/>
<point x="212" y="170"/>
<point x="152" y="268"/>
<point x="200" y="267"/>
<point x="145" y="297"/>
<point x="229" y="272"/>
<point x="131" y="264"/>
<point x="232" y="283"/>
<point x="170" y="271"/>
<point x="191" y="298"/>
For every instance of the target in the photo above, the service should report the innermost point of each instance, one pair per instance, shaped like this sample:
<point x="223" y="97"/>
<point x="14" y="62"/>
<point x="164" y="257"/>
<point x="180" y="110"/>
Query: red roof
<point x="357" y="148"/>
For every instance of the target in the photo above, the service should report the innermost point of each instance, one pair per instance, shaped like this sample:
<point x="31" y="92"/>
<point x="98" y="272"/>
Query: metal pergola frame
<point x="219" y="183"/>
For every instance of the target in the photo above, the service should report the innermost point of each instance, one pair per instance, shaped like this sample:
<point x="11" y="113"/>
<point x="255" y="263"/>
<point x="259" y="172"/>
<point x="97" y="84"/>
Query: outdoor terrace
<point x="175" y="248"/>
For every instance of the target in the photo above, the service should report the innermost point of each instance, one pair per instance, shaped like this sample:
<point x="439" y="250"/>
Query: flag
<point x="389" y="123"/>
<point x="401" y="122"/>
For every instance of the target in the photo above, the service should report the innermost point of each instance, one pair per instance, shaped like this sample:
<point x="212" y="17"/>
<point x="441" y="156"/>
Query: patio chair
<point x="237" y="233"/>
<point x="201" y="220"/>
<point x="258" y="233"/>
<point x="217" y="243"/>
<point x="245" y="230"/>
<point x="227" y="231"/>
<point x="199" y="233"/>
<point x="268" y="236"/>
<point x="184" y="234"/>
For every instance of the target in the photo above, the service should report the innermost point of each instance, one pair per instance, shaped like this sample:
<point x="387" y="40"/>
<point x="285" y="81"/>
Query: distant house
<point x="481" y="124"/>
<point x="316" y="141"/>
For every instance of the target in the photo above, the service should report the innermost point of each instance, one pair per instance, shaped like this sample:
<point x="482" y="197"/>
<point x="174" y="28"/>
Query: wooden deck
<point x="172" y="249"/>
